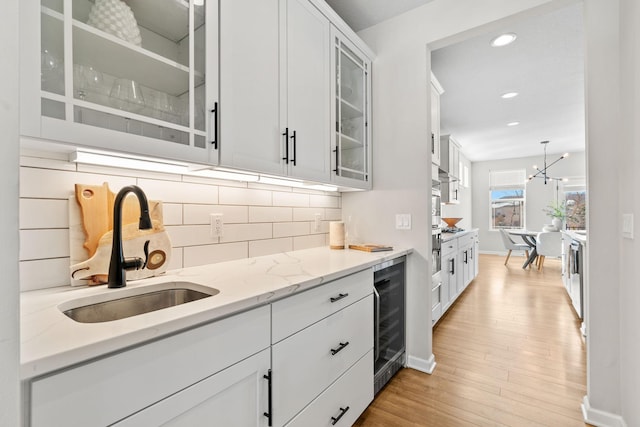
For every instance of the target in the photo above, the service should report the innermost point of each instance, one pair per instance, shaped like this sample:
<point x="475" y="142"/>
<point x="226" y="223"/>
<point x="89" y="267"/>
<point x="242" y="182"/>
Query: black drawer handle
<point x="339" y="297"/>
<point x="343" y="411"/>
<point x="342" y="345"/>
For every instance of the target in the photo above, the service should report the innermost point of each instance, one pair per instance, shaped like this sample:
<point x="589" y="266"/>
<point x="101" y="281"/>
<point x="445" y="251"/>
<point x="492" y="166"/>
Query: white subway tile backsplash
<point x="311" y="241"/>
<point x="199" y="214"/>
<point x="44" y="273"/>
<point x="287" y="229"/>
<point x="190" y="235"/>
<point x="331" y="214"/>
<point x="290" y="199"/>
<point x="209" y="254"/>
<point x="172" y="214"/>
<point x="307" y="214"/>
<point x="259" y="219"/>
<point x="244" y="196"/>
<point x="44" y="213"/>
<point x="269" y="214"/>
<point x="324" y="201"/>
<point x="179" y="192"/>
<point x="56" y="184"/>
<point x="176" y="260"/>
<point x="47" y="243"/>
<point x="270" y="246"/>
<point x="245" y="232"/>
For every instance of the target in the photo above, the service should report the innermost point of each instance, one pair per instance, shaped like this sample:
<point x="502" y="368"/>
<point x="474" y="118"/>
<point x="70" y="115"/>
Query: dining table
<point x="529" y="237"/>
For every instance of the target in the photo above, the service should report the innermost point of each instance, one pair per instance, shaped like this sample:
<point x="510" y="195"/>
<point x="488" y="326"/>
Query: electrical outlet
<point x="316" y="221"/>
<point x="217" y="225"/>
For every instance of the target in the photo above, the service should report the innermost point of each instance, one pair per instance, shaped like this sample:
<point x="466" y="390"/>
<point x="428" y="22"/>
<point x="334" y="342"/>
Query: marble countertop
<point x="449" y="236"/>
<point x="51" y="341"/>
<point x="578" y="235"/>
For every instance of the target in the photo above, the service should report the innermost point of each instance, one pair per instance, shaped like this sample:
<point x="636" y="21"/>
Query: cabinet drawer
<point x="109" y="389"/>
<point x="449" y="247"/>
<point x="435" y="295"/>
<point x="299" y="311"/>
<point x="303" y="364"/>
<point x="349" y="395"/>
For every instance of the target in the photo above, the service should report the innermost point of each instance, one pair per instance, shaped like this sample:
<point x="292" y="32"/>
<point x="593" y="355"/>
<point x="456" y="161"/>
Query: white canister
<point x="336" y="235"/>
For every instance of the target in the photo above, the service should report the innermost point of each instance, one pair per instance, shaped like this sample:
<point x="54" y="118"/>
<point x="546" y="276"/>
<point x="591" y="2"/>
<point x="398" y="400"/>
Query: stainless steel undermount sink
<point x="132" y="302"/>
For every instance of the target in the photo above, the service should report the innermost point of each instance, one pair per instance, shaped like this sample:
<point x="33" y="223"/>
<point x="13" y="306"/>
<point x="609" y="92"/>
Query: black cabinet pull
<point x="466" y="257"/>
<point x="343" y="411"/>
<point x="293" y="137"/>
<point x="337" y="161"/>
<point x="338" y="298"/>
<point x="453" y="266"/>
<point x="286" y="145"/>
<point x="342" y="345"/>
<point x="214" y="134"/>
<point x="268" y="413"/>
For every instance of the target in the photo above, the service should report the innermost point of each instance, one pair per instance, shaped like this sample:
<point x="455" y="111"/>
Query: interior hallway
<point x="508" y="353"/>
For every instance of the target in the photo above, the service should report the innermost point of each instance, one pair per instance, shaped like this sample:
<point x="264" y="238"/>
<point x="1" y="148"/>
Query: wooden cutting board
<point x="96" y="208"/>
<point x="96" y="216"/>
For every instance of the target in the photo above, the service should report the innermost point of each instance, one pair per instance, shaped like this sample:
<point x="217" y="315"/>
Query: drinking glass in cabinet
<point x="138" y="67"/>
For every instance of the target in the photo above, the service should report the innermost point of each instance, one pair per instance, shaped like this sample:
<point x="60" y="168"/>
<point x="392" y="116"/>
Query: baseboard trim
<point x="422" y="365"/>
<point x="600" y="418"/>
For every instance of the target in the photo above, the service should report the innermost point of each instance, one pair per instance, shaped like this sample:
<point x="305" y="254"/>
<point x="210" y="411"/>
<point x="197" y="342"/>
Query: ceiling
<point x="545" y="65"/>
<point x="360" y="14"/>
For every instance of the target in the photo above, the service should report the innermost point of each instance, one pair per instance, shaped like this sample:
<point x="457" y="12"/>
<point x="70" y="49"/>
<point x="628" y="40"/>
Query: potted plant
<point x="557" y="213"/>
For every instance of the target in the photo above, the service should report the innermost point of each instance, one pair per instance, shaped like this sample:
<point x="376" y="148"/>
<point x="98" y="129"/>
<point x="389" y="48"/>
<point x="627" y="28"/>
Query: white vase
<point x="557" y="223"/>
<point x="116" y="18"/>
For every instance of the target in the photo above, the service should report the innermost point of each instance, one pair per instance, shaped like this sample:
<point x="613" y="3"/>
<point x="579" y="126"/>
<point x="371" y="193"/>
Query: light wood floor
<point x="508" y="353"/>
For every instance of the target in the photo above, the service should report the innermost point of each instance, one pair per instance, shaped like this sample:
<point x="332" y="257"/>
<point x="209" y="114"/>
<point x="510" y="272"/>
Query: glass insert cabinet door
<point x="137" y="68"/>
<point x="352" y="112"/>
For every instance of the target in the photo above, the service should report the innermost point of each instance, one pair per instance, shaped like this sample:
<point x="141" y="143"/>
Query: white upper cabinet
<point x="351" y="113"/>
<point x="274" y="83"/>
<point x="139" y="77"/>
<point x="306" y="80"/>
<point x="249" y="114"/>
<point x="436" y="91"/>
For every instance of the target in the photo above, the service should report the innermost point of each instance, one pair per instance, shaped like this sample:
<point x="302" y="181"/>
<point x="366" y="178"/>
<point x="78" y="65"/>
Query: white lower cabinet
<point x="305" y="360"/>
<point x="236" y="396"/>
<point x="111" y="389"/>
<point x="459" y="266"/>
<point x="342" y="403"/>
<point x="308" y="362"/>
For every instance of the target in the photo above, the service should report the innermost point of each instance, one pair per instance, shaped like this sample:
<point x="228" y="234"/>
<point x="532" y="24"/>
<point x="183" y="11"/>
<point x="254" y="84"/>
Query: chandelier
<point x="542" y="173"/>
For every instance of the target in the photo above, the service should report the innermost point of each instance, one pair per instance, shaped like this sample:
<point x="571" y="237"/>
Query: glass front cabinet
<point x="351" y="114"/>
<point x="122" y="76"/>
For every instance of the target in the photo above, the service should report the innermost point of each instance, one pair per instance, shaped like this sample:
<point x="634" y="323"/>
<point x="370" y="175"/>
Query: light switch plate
<point x="627" y="226"/>
<point x="403" y="221"/>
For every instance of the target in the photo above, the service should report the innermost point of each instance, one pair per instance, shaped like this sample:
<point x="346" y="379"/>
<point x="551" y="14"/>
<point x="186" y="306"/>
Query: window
<point x="507" y="199"/>
<point x="575" y="202"/>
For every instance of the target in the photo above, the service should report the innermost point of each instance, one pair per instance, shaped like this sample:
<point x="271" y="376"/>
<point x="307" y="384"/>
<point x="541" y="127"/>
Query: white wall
<point x="258" y="219"/>
<point x="629" y="157"/>
<point x="538" y="195"/>
<point x="401" y="154"/>
<point x="9" y="301"/>
<point x="604" y="164"/>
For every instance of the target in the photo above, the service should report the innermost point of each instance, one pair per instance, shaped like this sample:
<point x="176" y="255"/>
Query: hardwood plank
<point x="509" y="352"/>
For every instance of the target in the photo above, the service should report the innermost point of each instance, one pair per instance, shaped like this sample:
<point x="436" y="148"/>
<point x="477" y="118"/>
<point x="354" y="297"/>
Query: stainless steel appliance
<point x="436" y="250"/>
<point x="435" y="205"/>
<point x="389" y="320"/>
<point x="576" y="291"/>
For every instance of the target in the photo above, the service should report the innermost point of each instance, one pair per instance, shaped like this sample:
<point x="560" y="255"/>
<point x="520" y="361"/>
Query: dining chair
<point x="510" y="245"/>
<point x="548" y="243"/>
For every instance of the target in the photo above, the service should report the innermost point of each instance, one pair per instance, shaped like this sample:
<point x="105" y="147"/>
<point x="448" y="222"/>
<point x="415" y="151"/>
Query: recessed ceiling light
<point x="503" y="40"/>
<point x="513" y="124"/>
<point x="509" y="95"/>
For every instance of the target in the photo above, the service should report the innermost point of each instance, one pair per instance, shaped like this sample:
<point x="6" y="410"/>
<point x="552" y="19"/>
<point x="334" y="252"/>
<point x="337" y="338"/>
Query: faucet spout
<point x="118" y="264"/>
